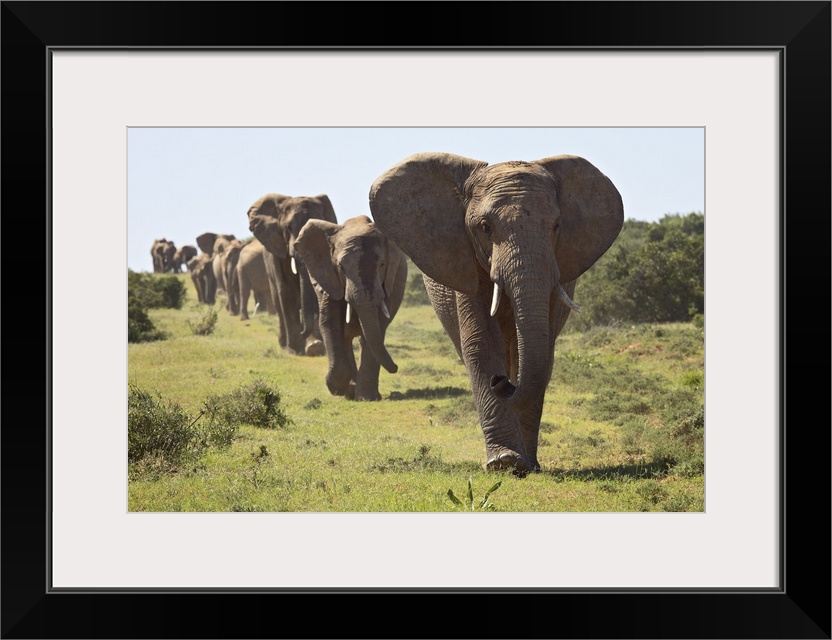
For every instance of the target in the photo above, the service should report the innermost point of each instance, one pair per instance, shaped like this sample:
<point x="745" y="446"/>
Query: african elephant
<point x="359" y="276"/>
<point x="201" y="269"/>
<point x="501" y="247"/>
<point x="252" y="277"/>
<point x="276" y="220"/>
<point x="212" y="244"/>
<point x="226" y="256"/>
<point x="162" y="251"/>
<point x="182" y="255"/>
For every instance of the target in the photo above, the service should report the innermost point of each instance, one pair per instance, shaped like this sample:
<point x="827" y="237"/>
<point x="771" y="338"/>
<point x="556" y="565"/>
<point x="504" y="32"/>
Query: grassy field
<point x="622" y="427"/>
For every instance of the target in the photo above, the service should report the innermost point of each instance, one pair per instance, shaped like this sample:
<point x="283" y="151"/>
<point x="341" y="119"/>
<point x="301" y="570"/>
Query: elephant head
<point x="360" y="277"/>
<point x="276" y="220"/>
<point x="511" y="239"/>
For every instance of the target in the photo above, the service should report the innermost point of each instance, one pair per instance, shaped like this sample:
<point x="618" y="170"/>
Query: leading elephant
<point x="162" y="252"/>
<point x="359" y="276"/>
<point x="501" y="247"/>
<point x="276" y="220"/>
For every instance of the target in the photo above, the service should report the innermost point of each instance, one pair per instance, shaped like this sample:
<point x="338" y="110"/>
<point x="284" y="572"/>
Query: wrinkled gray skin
<point x="354" y="264"/>
<point x="252" y="278"/>
<point x="531" y="228"/>
<point x="162" y="252"/>
<point x="201" y="269"/>
<point x="276" y="220"/>
<point x="182" y="256"/>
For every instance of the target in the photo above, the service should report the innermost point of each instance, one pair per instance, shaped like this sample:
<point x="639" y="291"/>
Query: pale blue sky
<point x="185" y="181"/>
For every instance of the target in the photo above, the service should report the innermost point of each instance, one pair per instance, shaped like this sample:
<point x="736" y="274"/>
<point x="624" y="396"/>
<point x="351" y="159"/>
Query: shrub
<point x="140" y="327"/>
<point x="256" y="404"/>
<point x="206" y="325"/>
<point x="160" y="429"/>
<point x="156" y="291"/>
<point x="415" y="292"/>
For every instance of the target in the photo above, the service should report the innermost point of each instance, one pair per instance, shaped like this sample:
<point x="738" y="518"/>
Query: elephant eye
<point x="486" y="228"/>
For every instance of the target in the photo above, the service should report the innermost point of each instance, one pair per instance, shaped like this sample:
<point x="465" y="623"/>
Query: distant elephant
<point x="182" y="255"/>
<point x="252" y="278"/>
<point x="162" y="251"/>
<point x="227" y="258"/>
<point x="201" y="269"/>
<point x="359" y="276"/>
<point x="212" y="244"/>
<point x="500" y="248"/>
<point x="276" y="220"/>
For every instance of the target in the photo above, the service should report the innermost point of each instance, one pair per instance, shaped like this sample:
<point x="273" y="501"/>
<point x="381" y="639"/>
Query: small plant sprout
<point x="483" y="505"/>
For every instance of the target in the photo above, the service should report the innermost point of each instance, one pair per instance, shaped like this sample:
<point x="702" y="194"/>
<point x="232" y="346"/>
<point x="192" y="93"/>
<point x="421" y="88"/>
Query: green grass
<point x="622" y="427"/>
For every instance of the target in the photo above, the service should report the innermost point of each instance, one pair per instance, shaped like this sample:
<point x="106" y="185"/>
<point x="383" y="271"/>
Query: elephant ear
<point x="591" y="210"/>
<point x="419" y="204"/>
<point x="205" y="242"/>
<point x="329" y="211"/>
<point x="395" y="260"/>
<point x="263" y="218"/>
<point x="313" y="245"/>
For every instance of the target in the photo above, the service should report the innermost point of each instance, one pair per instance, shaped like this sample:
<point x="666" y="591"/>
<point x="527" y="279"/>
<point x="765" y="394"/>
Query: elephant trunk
<point x="530" y="296"/>
<point x="368" y="309"/>
<point x="308" y="301"/>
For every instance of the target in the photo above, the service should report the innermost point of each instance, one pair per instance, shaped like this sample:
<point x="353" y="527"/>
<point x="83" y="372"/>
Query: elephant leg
<point x="288" y="296"/>
<point x="443" y="301"/>
<point x="245" y="291"/>
<point x="366" y="383"/>
<point x="484" y="352"/>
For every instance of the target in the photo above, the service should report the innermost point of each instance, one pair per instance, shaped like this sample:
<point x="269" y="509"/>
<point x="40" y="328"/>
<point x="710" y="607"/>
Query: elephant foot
<point x="508" y="461"/>
<point x="315" y="347"/>
<point x="368" y="397"/>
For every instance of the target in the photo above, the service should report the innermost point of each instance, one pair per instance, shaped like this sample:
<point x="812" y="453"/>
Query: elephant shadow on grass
<point x="431" y="393"/>
<point x="631" y="471"/>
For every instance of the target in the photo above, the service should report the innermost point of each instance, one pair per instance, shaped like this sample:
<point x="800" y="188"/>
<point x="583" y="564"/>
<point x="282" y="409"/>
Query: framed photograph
<point x="86" y="84"/>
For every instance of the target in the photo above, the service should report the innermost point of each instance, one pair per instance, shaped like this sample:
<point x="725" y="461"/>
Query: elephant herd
<point x="500" y="248"/>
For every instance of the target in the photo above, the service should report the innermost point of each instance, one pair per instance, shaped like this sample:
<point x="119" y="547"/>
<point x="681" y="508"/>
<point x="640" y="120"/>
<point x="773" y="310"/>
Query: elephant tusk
<point x="294" y="266"/>
<point x="565" y="297"/>
<point x="385" y="310"/>
<point x="348" y="313"/>
<point x="495" y="299"/>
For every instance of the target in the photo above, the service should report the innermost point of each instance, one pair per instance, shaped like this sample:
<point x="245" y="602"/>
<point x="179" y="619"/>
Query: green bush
<point x="654" y="272"/>
<point x="140" y="327"/>
<point x="156" y="291"/>
<point x="207" y="323"/>
<point x="160" y="429"/>
<point x="414" y="292"/>
<point x="256" y="404"/>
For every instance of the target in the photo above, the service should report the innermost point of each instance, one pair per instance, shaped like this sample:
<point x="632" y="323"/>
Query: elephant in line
<point x="252" y="278"/>
<point x="201" y="269"/>
<point x="225" y="259"/>
<point x="182" y="255"/>
<point x="360" y="277"/>
<point x="276" y="220"/>
<point x="500" y="247"/>
<point x="162" y="252"/>
<point x="212" y="244"/>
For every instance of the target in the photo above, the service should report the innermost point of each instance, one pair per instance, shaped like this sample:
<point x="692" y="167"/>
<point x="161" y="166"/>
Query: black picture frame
<point x="800" y="608"/>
